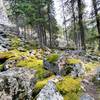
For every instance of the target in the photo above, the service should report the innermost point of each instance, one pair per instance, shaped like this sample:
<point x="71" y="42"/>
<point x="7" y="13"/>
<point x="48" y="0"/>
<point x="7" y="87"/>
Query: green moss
<point x="1" y="67"/>
<point x="52" y="58"/>
<point x="69" y="88"/>
<point x="73" y="61"/>
<point x="40" y="84"/>
<point x="29" y="61"/>
<point x="36" y="65"/>
<point x="15" y="42"/>
<point x="90" y="66"/>
<point x="6" y="55"/>
<point x="11" y="54"/>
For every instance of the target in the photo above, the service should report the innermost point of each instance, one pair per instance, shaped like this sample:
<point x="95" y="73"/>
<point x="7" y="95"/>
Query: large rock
<point x="51" y="67"/>
<point x="49" y="92"/>
<point x="5" y="26"/>
<point x="4" y="20"/>
<point x="17" y="84"/>
<point x="78" y="70"/>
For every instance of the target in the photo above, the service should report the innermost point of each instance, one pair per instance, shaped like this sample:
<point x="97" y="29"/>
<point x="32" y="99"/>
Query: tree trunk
<point x="74" y="22"/>
<point x="49" y="21"/>
<point x="81" y="26"/>
<point x="97" y="19"/>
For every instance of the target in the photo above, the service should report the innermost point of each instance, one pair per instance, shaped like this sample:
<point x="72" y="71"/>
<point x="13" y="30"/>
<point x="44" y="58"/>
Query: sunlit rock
<point x="17" y="84"/>
<point x="49" y="92"/>
<point x="4" y="20"/>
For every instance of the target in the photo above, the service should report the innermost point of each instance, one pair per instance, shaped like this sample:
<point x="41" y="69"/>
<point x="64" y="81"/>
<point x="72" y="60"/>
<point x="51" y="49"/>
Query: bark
<point x="81" y="26"/>
<point x="64" y="21"/>
<point x="97" y="19"/>
<point x="74" y="22"/>
<point x="49" y="27"/>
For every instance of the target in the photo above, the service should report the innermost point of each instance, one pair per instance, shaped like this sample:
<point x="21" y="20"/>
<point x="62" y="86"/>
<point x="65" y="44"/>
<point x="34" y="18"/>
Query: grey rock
<point x="50" y="66"/>
<point x="86" y="97"/>
<point x="4" y="42"/>
<point x="49" y="92"/>
<point x="98" y="74"/>
<point x="17" y="84"/>
<point x="78" y="70"/>
<point x="9" y="64"/>
<point x="4" y="20"/>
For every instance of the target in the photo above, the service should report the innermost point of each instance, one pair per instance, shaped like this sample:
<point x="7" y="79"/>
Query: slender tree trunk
<point x="64" y="22"/>
<point x="45" y="37"/>
<point x="74" y="22"/>
<point x="40" y="36"/>
<point x="81" y="26"/>
<point x="49" y="21"/>
<point x="97" y="19"/>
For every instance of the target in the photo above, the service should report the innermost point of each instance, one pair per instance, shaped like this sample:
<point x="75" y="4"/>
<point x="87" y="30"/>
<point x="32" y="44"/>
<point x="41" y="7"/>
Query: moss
<point x="15" y="42"/>
<point x="6" y="55"/>
<point x="40" y="84"/>
<point x="73" y="61"/>
<point x="29" y="61"/>
<point x="11" y="54"/>
<point x="91" y="65"/>
<point x="52" y="58"/>
<point x="35" y="64"/>
<point x="1" y="67"/>
<point x="69" y="88"/>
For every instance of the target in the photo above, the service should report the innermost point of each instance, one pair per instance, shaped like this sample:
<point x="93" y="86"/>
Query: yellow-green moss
<point x="29" y="61"/>
<point x="52" y="58"/>
<point x="91" y="65"/>
<point x="40" y="84"/>
<point x="35" y="64"/>
<point x="69" y="88"/>
<point x="12" y="54"/>
<point x="6" y="55"/>
<point x="73" y="61"/>
<point x="15" y="42"/>
<point x="1" y="67"/>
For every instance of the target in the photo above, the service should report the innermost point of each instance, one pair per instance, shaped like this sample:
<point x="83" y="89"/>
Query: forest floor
<point x="90" y="88"/>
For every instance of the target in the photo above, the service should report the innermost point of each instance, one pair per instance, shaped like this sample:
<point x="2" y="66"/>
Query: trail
<point x="89" y="86"/>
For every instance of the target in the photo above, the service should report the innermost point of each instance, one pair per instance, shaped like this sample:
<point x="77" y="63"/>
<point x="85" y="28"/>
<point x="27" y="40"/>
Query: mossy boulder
<point x="49" y="92"/>
<point x="50" y="63"/>
<point x="70" y="88"/>
<point x="40" y="84"/>
<point x="35" y="64"/>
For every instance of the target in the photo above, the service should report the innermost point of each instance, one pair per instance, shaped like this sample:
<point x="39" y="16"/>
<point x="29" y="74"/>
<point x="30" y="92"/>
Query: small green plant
<point x="52" y="58"/>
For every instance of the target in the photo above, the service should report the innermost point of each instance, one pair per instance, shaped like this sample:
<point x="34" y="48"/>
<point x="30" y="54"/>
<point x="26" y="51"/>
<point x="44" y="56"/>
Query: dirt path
<point x="89" y="87"/>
